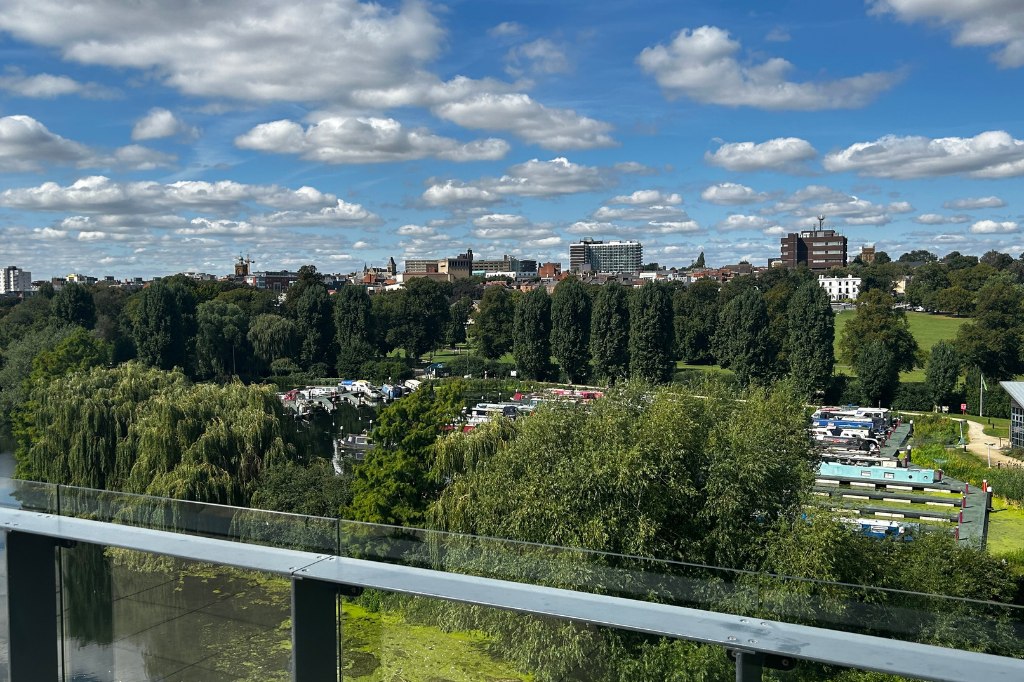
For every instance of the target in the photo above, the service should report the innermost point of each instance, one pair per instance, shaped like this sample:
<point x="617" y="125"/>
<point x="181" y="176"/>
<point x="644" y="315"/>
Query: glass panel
<point x="132" y="617"/>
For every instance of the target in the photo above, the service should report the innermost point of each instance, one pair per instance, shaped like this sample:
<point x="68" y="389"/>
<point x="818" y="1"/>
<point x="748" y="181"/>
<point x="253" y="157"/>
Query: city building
<point x="549" y="270"/>
<point x="442" y="269"/>
<point x="867" y="255"/>
<point x="817" y="249"/>
<point x="273" y="280"/>
<point x="15" y="280"/>
<point x="611" y="257"/>
<point x="1016" y="391"/>
<point x="840" y="288"/>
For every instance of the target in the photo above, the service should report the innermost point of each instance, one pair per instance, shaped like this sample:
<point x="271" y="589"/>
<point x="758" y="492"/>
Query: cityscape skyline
<point x="148" y="140"/>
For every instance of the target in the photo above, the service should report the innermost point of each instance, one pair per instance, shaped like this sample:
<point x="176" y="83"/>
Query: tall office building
<point x="15" y="280"/>
<point x="611" y="257"/>
<point x="817" y="249"/>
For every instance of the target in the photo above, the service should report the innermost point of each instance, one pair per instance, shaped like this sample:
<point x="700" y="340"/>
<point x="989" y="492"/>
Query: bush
<point x="914" y="396"/>
<point x="844" y="390"/>
<point x="476" y="365"/>
<point x="387" y="369"/>
<point x="935" y="429"/>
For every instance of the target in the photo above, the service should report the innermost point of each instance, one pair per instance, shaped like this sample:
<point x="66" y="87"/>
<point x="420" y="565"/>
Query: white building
<point x="15" y="280"/>
<point x="840" y="288"/>
<point x="606" y="257"/>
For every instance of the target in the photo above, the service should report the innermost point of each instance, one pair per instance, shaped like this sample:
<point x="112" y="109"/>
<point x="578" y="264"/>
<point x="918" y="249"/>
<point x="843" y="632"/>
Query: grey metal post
<point x="748" y="666"/>
<point x="32" y="607"/>
<point x="314" y="631"/>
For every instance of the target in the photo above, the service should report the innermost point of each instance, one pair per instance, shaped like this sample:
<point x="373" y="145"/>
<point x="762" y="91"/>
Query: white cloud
<point x="774" y="231"/>
<point x="100" y="194"/>
<point x="655" y="212"/>
<point x="538" y="57"/>
<point x="646" y="197"/>
<point x="978" y="23"/>
<point x="415" y="231"/>
<point x="204" y="226"/>
<point x="737" y="221"/>
<point x="364" y="140"/>
<point x="533" y="178"/>
<point x="672" y="227"/>
<point x="135" y="157"/>
<point x="701" y="64"/>
<point x="339" y="214"/>
<point x="992" y="154"/>
<point x="993" y="227"/>
<point x="501" y="220"/>
<point x="815" y="200"/>
<point x="27" y="144"/>
<point x="49" y="86"/>
<point x="535" y="123"/>
<point x="781" y="153"/>
<point x="505" y="28"/>
<point x="937" y="219"/>
<point x="158" y="123"/>
<point x="731" y="194"/>
<point x="306" y="50"/>
<point x="972" y="203"/>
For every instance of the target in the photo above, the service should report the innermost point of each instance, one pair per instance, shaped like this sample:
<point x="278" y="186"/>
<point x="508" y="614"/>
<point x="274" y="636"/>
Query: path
<point x="978" y="439"/>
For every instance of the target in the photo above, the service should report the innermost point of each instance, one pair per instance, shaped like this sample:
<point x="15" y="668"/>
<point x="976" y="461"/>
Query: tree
<point x="163" y="325"/>
<point x="943" y="372"/>
<point x="994" y="340"/>
<point x="418" y="317"/>
<point x="699" y="263"/>
<point x="221" y="343"/>
<point x="73" y="304"/>
<point x="570" y="328"/>
<point x="314" y="324"/>
<point x="458" y="318"/>
<point x="394" y="485"/>
<point x="272" y="337"/>
<point x="313" y="489"/>
<point x="918" y="256"/>
<point x="78" y="351"/>
<point x="651" y="337"/>
<point x="695" y="316"/>
<point x="878" y="372"/>
<point x="882" y="258"/>
<point x="811" y="336"/>
<point x="609" y="332"/>
<point x="956" y="300"/>
<point x="493" y="322"/>
<point x="927" y="282"/>
<point x="353" y="320"/>
<point x="742" y="341"/>
<point x="957" y="261"/>
<point x="877" y="320"/>
<point x="531" y="334"/>
<point x="997" y="259"/>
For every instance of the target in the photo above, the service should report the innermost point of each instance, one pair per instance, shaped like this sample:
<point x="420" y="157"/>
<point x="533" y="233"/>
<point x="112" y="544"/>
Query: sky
<point x="148" y="138"/>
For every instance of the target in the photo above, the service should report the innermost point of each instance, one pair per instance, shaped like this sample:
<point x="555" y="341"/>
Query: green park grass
<point x="1006" y="527"/>
<point x="927" y="329"/>
<point x="997" y="427"/>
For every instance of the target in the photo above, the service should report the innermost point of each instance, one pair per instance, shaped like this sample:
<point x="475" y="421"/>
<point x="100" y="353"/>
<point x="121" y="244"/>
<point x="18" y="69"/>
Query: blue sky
<point x="154" y="137"/>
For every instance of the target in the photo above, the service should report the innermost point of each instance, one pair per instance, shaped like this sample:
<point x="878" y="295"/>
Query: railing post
<point x="314" y="631"/>
<point x="748" y="666"/>
<point x="32" y="608"/>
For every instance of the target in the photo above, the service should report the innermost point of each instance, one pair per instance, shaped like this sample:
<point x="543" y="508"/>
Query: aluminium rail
<point x="317" y="578"/>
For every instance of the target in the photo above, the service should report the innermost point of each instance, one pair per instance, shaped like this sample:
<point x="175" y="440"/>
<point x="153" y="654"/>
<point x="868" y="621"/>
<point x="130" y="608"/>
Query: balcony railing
<point x="170" y="623"/>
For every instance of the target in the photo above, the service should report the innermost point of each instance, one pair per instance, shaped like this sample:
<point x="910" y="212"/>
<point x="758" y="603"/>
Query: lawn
<point x="1006" y="527"/>
<point x="996" y="427"/>
<point x="928" y="329"/>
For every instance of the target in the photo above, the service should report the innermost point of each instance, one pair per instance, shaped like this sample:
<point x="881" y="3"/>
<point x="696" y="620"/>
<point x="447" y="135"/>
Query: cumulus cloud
<point x="135" y="157"/>
<point x="731" y="194"/>
<point x="340" y="140"/>
<point x="736" y="221"/>
<point x="971" y="203"/>
<point x="702" y="64"/>
<point x="538" y="57"/>
<point x="160" y="122"/>
<point x="529" y="120"/>
<point x="992" y="154"/>
<point x="993" y="227"/>
<point x="49" y="86"/>
<point x="415" y="231"/>
<point x="814" y="200"/>
<point x="100" y="194"/>
<point x="654" y="212"/>
<point x="205" y="226"/>
<point x="307" y="50"/>
<point x="505" y="28"/>
<point x="27" y="144"/>
<point x="340" y="214"/>
<point x="647" y="197"/>
<point x="780" y="154"/>
<point x="533" y="178"/>
<point x="937" y="219"/>
<point x="978" y="23"/>
<point x="501" y="220"/>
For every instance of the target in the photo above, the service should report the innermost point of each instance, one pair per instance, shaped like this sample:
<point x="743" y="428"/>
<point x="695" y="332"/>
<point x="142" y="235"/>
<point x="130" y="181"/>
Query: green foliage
<point x="394" y="484"/>
<point x="32" y="314"/>
<point x="353" y="321"/>
<point x="699" y="263"/>
<point x="18" y="359"/>
<point x="531" y="345"/>
<point x="413" y="318"/>
<point x="994" y="340"/>
<point x="314" y="489"/>
<point x="811" y="338"/>
<point x="912" y="395"/>
<point x="742" y="340"/>
<point x="314" y="323"/>
<point x="272" y="337"/>
<point x="943" y="373"/>
<point x="73" y="305"/>
<point x="650" y="334"/>
<point x="879" y="373"/>
<point x="163" y="325"/>
<point x="877" y="320"/>
<point x="458" y="318"/>
<point x="384" y="370"/>
<point x="493" y="323"/>
<point x="695" y="317"/>
<point x="570" y="329"/>
<point x="76" y="352"/>
<point x="609" y="332"/>
<point x="221" y="343"/>
<point x="929" y="280"/>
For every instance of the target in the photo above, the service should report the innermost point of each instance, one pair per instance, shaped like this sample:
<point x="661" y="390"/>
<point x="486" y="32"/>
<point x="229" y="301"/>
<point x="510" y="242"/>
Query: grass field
<point x="927" y="329"/>
<point x="1006" y="527"/>
<point x="1000" y="428"/>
